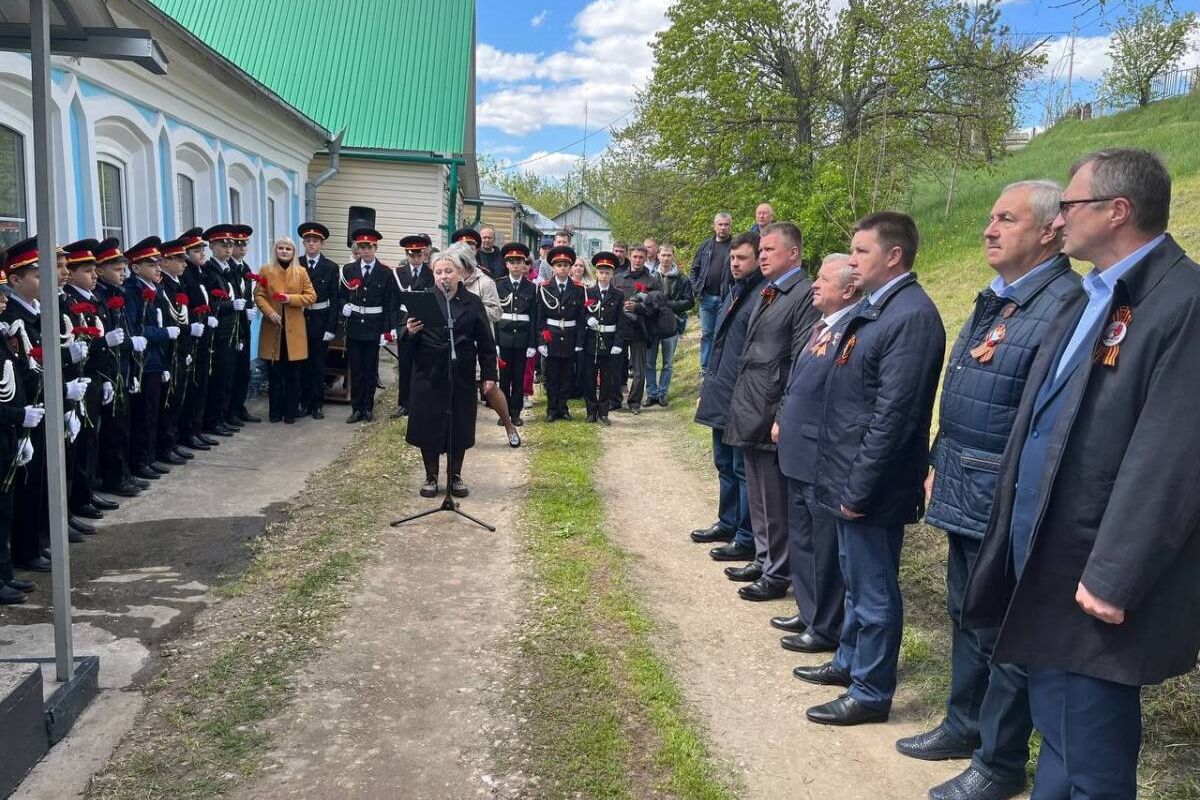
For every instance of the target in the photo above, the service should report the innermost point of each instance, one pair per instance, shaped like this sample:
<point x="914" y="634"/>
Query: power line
<point x="566" y="147"/>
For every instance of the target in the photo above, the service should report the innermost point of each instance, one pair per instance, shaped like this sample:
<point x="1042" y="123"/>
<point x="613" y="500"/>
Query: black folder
<point x="428" y="307"/>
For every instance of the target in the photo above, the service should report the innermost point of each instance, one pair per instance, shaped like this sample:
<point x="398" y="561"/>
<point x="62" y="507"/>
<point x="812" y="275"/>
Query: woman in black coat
<point x="429" y="407"/>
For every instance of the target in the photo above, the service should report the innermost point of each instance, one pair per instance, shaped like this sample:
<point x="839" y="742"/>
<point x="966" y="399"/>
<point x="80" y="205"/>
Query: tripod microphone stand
<point x="448" y="502"/>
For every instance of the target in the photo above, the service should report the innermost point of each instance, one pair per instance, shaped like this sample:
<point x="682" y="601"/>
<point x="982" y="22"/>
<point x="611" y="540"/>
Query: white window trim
<point x="105" y="155"/>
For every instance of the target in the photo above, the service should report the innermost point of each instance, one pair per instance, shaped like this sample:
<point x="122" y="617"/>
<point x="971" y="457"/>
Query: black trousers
<point x="174" y="399"/>
<point x="312" y="372"/>
<point x="220" y="382"/>
<point x="191" y="418"/>
<point x="637" y="371"/>
<point x="82" y="457"/>
<point x="6" y="528"/>
<point x="617" y="397"/>
<point x="557" y="372"/>
<point x="31" y="516"/>
<point x="114" y="440"/>
<point x="813" y="562"/>
<point x="144" y="408"/>
<point x="241" y="378"/>
<point x="512" y="378"/>
<point x="432" y="455"/>
<point x="601" y="379"/>
<point x="284" y="379"/>
<point x="404" y="367"/>
<point x="363" y="360"/>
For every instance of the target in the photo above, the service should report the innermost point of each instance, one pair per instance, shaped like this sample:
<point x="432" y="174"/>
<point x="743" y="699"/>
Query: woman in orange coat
<point x="281" y="295"/>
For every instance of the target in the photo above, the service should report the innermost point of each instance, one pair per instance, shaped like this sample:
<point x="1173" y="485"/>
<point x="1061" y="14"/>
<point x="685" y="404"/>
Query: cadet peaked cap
<point x="81" y="253"/>
<point x="192" y="238"/>
<point x="605" y="260"/>
<point x="469" y="234"/>
<point x="561" y="253"/>
<point x="145" y="250"/>
<point x="23" y="255"/>
<point x="366" y="236"/>
<point x="218" y="233"/>
<point x="241" y="233"/>
<point x="172" y="249"/>
<point x="514" y="250"/>
<point x="417" y="241"/>
<point x="313" y="229"/>
<point x="109" y="252"/>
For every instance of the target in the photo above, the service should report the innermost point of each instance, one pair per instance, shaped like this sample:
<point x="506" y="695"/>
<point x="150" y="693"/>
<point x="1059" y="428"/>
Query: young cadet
<point x="178" y="354"/>
<point x="191" y="418"/>
<point x="367" y="298"/>
<point x="603" y="305"/>
<point x="320" y="319"/>
<point x="16" y="449"/>
<point x="560" y="320"/>
<point x="414" y="276"/>
<point x="245" y="312"/>
<point x="217" y="277"/>
<point x="516" y="332"/>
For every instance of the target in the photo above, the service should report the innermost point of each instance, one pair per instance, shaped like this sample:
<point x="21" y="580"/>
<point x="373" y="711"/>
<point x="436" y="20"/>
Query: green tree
<point x="1148" y="42"/>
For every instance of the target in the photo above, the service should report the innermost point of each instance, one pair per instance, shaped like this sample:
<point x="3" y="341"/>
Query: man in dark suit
<point x="776" y="333"/>
<point x="560" y="319"/>
<point x="415" y="276"/>
<point x="812" y="531"/>
<point x="320" y="318"/>
<point x="1091" y="555"/>
<point x="987" y="713"/>
<point x="873" y="457"/>
<point x="367" y="300"/>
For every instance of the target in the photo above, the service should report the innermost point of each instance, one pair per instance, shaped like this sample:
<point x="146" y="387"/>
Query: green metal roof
<point x="395" y="73"/>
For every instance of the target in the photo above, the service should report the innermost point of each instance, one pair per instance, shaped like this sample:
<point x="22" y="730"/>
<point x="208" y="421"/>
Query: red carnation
<point x="115" y="303"/>
<point x="547" y="337"/>
<point x="201" y="310"/>
<point x="182" y="299"/>
<point x="82" y="308"/>
<point x="259" y="279"/>
<point x="389" y="337"/>
<point x="576" y="282"/>
<point x="147" y="294"/>
<point x="220" y="294"/>
<point x="501" y="363"/>
<point x="279" y="297"/>
<point x="592" y="305"/>
<point x="354" y="284"/>
<point x="640" y="287"/>
<point x="79" y="330"/>
<point x="36" y="354"/>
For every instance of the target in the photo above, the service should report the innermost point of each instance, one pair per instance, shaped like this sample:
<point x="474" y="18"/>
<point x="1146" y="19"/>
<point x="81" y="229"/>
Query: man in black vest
<point x="320" y="318"/>
<point x="366" y="301"/>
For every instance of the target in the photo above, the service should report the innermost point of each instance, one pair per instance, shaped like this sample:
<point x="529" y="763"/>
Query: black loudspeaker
<point x="360" y="217"/>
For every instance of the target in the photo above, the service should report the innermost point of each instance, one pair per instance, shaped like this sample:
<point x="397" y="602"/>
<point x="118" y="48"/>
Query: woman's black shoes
<point x="458" y="488"/>
<point x="430" y="487"/>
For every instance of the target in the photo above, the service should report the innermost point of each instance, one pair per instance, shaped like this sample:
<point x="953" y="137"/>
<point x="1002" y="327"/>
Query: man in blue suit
<point x="873" y="457"/>
<point x="812" y="530"/>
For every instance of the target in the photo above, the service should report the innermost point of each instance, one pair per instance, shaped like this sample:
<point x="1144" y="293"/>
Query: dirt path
<point x="727" y="658"/>
<point x="400" y="704"/>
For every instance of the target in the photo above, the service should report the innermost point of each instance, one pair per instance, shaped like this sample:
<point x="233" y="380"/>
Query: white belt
<point x="607" y="329"/>
<point x="515" y="317"/>
<point x="561" y="323"/>
<point x="319" y="306"/>
<point x="367" y="309"/>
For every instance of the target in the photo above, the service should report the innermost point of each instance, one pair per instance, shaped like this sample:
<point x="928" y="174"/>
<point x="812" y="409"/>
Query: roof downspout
<point x="310" y="188"/>
<point x="478" y="210"/>
<point x="452" y="198"/>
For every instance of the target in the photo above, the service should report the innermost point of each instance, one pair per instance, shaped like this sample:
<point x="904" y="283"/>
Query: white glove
<point x="616" y="351"/>
<point x="327" y="337"/>
<point x="109" y="393"/>
<point x="33" y="416"/>
<point x="115" y="337"/>
<point x="188" y="360"/>
<point x="239" y="304"/>
<point x="239" y="346"/>
<point x="251" y="313"/>
<point x="347" y="311"/>
<point x="212" y="322"/>
<point x="545" y="351"/>
<point x="593" y="323"/>
<point x="24" y="452"/>
<point x="77" y="388"/>
<point x="166" y="376"/>
<point x="578" y="349"/>
<point x="196" y="329"/>
<point x="71" y="420"/>
<point x="139" y="343"/>
<point x="172" y="332"/>
<point x="78" y="351"/>
<point x="529" y="351"/>
<point x="135" y="387"/>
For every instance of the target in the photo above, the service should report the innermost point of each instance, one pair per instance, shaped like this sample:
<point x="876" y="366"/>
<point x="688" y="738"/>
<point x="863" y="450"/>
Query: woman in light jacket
<point x="281" y="294"/>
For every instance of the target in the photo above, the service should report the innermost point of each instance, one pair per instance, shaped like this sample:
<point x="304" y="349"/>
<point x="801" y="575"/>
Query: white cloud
<point x="607" y="59"/>
<point x="1091" y="57"/>
<point x="538" y="18"/>
<point x="550" y="165"/>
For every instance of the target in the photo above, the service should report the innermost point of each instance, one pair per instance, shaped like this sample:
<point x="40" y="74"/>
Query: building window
<point x="112" y="201"/>
<point x="271" y="219"/>
<point x="235" y="206"/>
<point x="186" y="189"/>
<point x="13" y="223"/>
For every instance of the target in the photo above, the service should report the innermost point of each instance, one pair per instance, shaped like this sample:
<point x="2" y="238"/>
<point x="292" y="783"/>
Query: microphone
<point x="445" y="284"/>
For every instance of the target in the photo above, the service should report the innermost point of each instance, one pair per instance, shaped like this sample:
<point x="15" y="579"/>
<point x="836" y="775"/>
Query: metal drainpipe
<point x="452" y="200"/>
<point x="478" y="210"/>
<point x="310" y="188"/>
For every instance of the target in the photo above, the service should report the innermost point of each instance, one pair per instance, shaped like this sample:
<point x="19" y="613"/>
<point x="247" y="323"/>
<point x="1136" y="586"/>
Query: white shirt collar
<point x="36" y="308"/>
<point x="833" y="318"/>
<point x="368" y="265"/>
<point x="882" y="290"/>
<point x="88" y="295"/>
<point x="147" y="283"/>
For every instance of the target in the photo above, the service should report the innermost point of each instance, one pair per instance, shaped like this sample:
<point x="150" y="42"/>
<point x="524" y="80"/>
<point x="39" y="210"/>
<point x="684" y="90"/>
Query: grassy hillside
<point x="951" y="262"/>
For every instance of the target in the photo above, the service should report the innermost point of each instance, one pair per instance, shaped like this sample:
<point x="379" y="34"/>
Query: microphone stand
<point x="448" y="502"/>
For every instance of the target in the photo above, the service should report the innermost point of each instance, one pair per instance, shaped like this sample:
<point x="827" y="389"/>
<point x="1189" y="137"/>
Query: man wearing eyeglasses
<point x="1090" y="559"/>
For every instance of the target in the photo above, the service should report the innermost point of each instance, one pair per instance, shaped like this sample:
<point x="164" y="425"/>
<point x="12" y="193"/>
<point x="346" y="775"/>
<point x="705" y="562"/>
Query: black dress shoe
<point x="592" y="418"/>
<point x="763" y="589"/>
<point x="196" y="444"/>
<point x="289" y="420"/>
<point x="732" y="552"/>
<point x="74" y="536"/>
<point x="125" y="490"/>
<point x="551" y="416"/>
<point x="208" y="440"/>
<point x="518" y="422"/>
<point x="458" y="488"/>
<point x="88" y="511"/>
<point x="635" y="408"/>
<point x="245" y="416"/>
<point x="794" y="624"/>
<point x="81" y="526"/>
<point x="606" y="422"/>
<point x="233" y="423"/>
<point x="713" y="533"/>
<point x="355" y="416"/>
<point x="845" y="711"/>
<point x="807" y="643"/>
<point x="180" y="452"/>
<point x="10" y="596"/>
<point x="161" y="469"/>
<point x="974" y="785"/>
<point x="317" y="413"/>
<point x="935" y="745"/>
<point x="173" y="459"/>
<point x="651" y="401"/>
<point x="105" y="505"/>
<point x="824" y="675"/>
<point x="745" y="574"/>
<point x="140" y="483"/>
<point x="430" y="487"/>
<point x="273" y="419"/>
<point x="566" y="415"/>
<point x="368" y="416"/>
<point x="145" y="473"/>
<point x="218" y="430"/>
<point x="22" y="585"/>
<point x="39" y="564"/>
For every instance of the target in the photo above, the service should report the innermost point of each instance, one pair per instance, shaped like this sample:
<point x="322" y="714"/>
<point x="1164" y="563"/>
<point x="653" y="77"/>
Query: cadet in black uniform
<point x="217" y="276"/>
<point x="121" y="353"/>
<point x="415" y="276"/>
<point x="603" y="344"/>
<point x="320" y="318"/>
<point x="16" y="448"/>
<point x="516" y="332"/>
<point x="245" y="312"/>
<point x="149" y="320"/>
<point x="366" y="300"/>
<point x="178" y="354"/>
<point x="560" y="320"/>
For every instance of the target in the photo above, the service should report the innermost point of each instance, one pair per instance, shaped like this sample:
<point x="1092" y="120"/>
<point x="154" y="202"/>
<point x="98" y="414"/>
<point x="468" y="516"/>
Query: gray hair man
<point x="987" y="713"/>
<point x="710" y="280"/>
<point x="764" y="215"/>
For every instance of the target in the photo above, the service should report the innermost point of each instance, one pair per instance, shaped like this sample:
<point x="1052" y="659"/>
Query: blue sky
<point x="540" y="62"/>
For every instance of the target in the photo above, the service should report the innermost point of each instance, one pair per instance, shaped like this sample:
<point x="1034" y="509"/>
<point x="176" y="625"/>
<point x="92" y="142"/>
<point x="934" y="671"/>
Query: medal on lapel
<point x="821" y="345"/>
<point x="847" y="349"/>
<point x="1008" y="310"/>
<point x="1114" y="333"/>
<point x="985" y="350"/>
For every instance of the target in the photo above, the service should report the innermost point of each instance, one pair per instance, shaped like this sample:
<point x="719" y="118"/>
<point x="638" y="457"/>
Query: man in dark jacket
<point x="710" y="280"/>
<point x="1091" y="553"/>
<point x="873" y="458"/>
<point x="320" y="318"/>
<point x="778" y="329"/>
<point x="218" y="278"/>
<point x="987" y="713"/>
<point x="642" y="291"/>
<point x="489" y="256"/>
<point x="733" y="503"/>
<point x="415" y="276"/>
<point x="816" y="575"/>
<point x="367" y="302"/>
<point x="516" y="332"/>
<point x="678" y="299"/>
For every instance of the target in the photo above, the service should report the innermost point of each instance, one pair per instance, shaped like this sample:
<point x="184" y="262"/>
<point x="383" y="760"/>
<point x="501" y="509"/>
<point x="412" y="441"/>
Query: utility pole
<point x="583" y="158"/>
<point x="1071" y="64"/>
